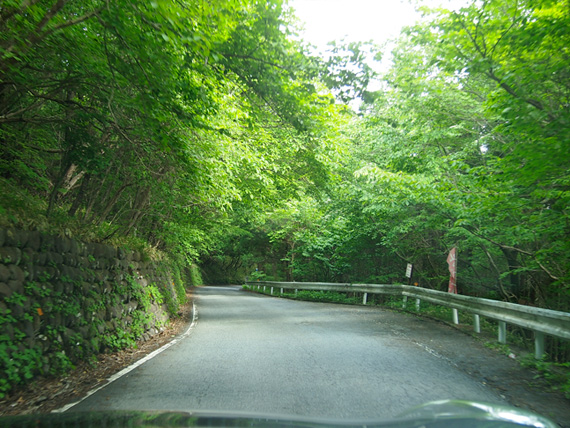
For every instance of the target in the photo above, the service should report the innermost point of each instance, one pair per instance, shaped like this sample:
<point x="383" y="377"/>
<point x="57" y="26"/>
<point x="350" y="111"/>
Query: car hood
<point x="448" y="413"/>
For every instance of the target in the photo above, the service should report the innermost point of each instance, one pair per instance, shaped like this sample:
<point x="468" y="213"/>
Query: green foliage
<point x="347" y="69"/>
<point x="557" y="374"/>
<point x="18" y="366"/>
<point x="47" y="328"/>
<point x="328" y="296"/>
<point x="195" y="275"/>
<point x="464" y="147"/>
<point x="202" y="133"/>
<point x="257" y="276"/>
<point x="166" y="117"/>
<point x="119" y="339"/>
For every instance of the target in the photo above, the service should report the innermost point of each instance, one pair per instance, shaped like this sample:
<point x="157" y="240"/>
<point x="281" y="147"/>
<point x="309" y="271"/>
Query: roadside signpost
<point x="452" y="262"/>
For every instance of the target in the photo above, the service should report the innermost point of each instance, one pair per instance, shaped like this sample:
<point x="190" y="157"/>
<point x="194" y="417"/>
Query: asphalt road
<point x="258" y="354"/>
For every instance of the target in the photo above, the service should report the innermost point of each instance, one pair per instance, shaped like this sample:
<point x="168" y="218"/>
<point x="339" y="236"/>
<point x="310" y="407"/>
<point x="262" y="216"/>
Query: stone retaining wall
<point x="62" y="300"/>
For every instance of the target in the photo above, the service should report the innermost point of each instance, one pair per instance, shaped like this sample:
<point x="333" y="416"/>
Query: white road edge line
<point x="137" y="364"/>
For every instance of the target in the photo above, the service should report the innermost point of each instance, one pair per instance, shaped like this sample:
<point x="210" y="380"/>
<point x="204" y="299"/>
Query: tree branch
<point x="518" y="250"/>
<point x="272" y="64"/>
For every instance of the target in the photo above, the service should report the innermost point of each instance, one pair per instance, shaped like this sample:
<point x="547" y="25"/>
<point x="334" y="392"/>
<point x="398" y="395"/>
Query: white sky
<point x="359" y="20"/>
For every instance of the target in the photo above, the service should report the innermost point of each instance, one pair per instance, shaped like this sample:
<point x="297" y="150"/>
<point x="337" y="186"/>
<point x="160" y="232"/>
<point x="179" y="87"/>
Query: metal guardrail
<point x="540" y="321"/>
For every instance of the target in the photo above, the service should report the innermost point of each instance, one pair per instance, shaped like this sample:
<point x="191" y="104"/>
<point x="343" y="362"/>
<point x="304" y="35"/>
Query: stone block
<point x="103" y="264"/>
<point x="40" y="259"/>
<point x="37" y="322"/>
<point x="16" y="238"/>
<point x="85" y="287"/>
<point x="132" y="306"/>
<point x="67" y="272"/>
<point x="5" y="273"/>
<point x="47" y="242"/>
<point x="71" y="260"/>
<point x="99" y="251"/>
<point x="69" y="320"/>
<point x="74" y="247"/>
<point x="28" y="255"/>
<point x="54" y="258"/>
<point x="47" y="273"/>
<point x="58" y="319"/>
<point x="10" y="255"/>
<point x="42" y="273"/>
<point x="16" y="273"/>
<point x="17" y="311"/>
<point x="89" y="249"/>
<point x="82" y="248"/>
<point x="68" y="287"/>
<point x="114" y="312"/>
<point x="29" y="271"/>
<point x="85" y="332"/>
<point x="101" y="327"/>
<point x="101" y="276"/>
<point x="59" y="286"/>
<point x="110" y="326"/>
<point x="27" y="327"/>
<point x="34" y="240"/>
<point x="47" y="305"/>
<point x="16" y="285"/>
<point x="110" y="252"/>
<point x="88" y="304"/>
<point x="28" y="304"/>
<point x="70" y="337"/>
<point x="62" y="244"/>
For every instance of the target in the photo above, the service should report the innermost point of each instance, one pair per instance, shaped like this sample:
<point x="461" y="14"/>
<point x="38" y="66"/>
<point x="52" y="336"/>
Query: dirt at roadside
<point x="520" y="386"/>
<point x="47" y="394"/>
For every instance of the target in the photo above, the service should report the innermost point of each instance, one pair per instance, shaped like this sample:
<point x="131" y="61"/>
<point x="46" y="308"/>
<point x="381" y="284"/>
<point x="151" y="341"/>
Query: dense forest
<point x="207" y="133"/>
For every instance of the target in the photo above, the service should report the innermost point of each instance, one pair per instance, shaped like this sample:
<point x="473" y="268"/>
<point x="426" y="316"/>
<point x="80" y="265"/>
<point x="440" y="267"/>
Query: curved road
<point x="257" y="354"/>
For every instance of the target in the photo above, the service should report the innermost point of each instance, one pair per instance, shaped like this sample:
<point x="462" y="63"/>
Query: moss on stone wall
<point x="62" y="300"/>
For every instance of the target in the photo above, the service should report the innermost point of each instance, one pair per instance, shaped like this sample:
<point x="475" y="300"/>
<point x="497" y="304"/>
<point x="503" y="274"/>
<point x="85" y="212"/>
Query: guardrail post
<point x="502" y="332"/>
<point x="282" y="290"/>
<point x="404" y="302"/>
<point x="476" y="323"/>
<point x="272" y="291"/>
<point x="538" y="345"/>
<point x="418" y="305"/>
<point x="455" y="316"/>
<point x="364" y="298"/>
<point x="296" y="291"/>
